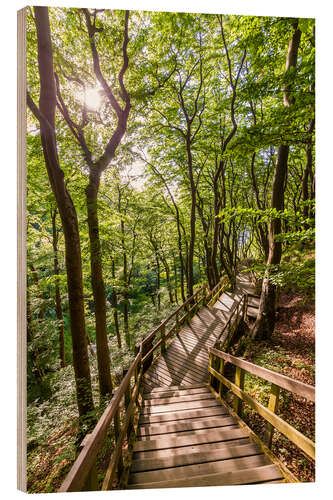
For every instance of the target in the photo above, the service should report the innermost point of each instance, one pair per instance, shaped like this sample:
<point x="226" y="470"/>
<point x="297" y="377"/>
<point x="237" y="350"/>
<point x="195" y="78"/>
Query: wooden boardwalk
<point x="186" y="437"/>
<point x="186" y="360"/>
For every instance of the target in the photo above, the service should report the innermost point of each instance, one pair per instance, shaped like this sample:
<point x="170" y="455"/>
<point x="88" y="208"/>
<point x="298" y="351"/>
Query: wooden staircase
<point x="169" y="417"/>
<point x="187" y="438"/>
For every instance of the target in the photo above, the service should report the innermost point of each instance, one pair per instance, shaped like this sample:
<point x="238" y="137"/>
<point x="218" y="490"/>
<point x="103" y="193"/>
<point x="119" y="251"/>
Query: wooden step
<point x="166" y="393"/>
<point x="182" y="415"/>
<point x="224" y="453"/>
<point x="200" y="437"/>
<point x="176" y="388"/>
<point x="188" y="425"/>
<point x="187" y="450"/>
<point x="174" y="407"/>
<point x="178" y="399"/>
<point x="192" y="471"/>
<point x="226" y="422"/>
<point x="252" y="312"/>
<point x="266" y="473"/>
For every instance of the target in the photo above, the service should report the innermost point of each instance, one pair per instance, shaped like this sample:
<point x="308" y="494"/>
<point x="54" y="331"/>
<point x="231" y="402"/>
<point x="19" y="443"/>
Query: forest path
<point x="185" y="361"/>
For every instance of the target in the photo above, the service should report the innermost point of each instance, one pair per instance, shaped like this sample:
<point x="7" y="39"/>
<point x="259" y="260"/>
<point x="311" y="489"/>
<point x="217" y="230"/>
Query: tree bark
<point x="98" y="287"/>
<point x="125" y="286"/>
<point x="158" y="282"/>
<point x="46" y="116"/>
<point x="265" y="322"/>
<point x="175" y="275"/>
<point x="40" y="295"/>
<point x="36" y="369"/>
<point x="190" y="257"/>
<point x="308" y="174"/>
<point x="57" y="291"/>
<point x="115" y="306"/>
<point x="167" y="274"/>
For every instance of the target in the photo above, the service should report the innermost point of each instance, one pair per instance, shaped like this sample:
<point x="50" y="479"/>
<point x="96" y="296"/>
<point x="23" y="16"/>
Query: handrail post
<point x="91" y="482"/>
<point x="206" y="294"/>
<point x="210" y="366"/>
<point x="177" y="323"/>
<point x="117" y="431"/>
<point x="273" y="405"/>
<point x="221" y="370"/>
<point x="187" y="308"/>
<point x="127" y="399"/>
<point x="162" y="329"/>
<point x="246" y="300"/>
<point x="127" y="391"/>
<point x="239" y="381"/>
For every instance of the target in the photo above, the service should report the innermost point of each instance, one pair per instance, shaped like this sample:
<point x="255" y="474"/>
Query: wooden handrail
<point x="76" y="477"/>
<point x="269" y="414"/>
<point x="305" y="390"/>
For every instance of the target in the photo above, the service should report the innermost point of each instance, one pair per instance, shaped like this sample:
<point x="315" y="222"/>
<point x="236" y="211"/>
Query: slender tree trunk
<point x="115" y="306"/>
<point x="175" y="275"/>
<point x="98" y="288"/>
<point x="57" y="291"/>
<point x="40" y="295"/>
<point x="307" y="174"/>
<point x="167" y="274"/>
<point x="36" y="368"/>
<point x="262" y="227"/>
<point x="46" y="117"/>
<point x="181" y="258"/>
<point x="265" y="322"/>
<point x="190" y="259"/>
<point x="158" y="283"/>
<point x="125" y="285"/>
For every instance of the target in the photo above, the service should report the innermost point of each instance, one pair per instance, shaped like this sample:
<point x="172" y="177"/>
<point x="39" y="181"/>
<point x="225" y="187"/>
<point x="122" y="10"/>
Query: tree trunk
<point x="125" y="286"/>
<point x="181" y="258"/>
<point x="175" y="274"/>
<point x="57" y="291"/>
<point x="98" y="288"/>
<point x="158" y="283"/>
<point x="265" y="322"/>
<point x="40" y="295"/>
<point x="115" y="306"/>
<point x="35" y="368"/>
<point x="46" y="117"/>
<point x="190" y="282"/>
<point x="307" y="174"/>
<point x="167" y="274"/>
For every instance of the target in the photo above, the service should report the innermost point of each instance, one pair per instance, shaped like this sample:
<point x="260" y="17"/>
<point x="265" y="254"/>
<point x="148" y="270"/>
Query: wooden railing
<point x="83" y="474"/>
<point x="222" y="285"/>
<point x="238" y="313"/>
<point x="125" y="404"/>
<point x="277" y="381"/>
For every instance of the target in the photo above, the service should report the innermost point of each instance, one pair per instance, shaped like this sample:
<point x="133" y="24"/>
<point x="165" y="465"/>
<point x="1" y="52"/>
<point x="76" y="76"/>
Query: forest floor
<point x="291" y="351"/>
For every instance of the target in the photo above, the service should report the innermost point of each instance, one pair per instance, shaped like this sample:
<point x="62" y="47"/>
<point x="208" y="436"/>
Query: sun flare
<point x="92" y="97"/>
